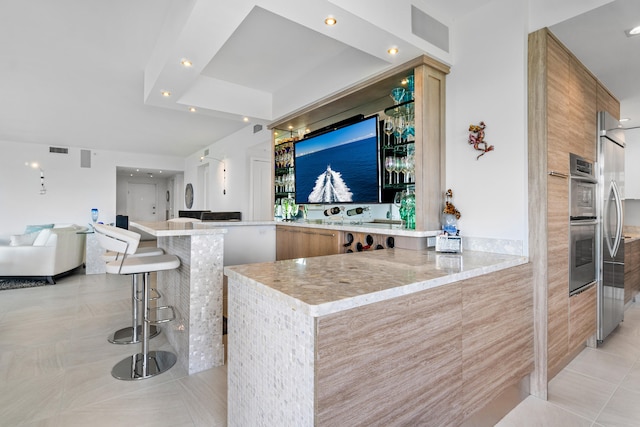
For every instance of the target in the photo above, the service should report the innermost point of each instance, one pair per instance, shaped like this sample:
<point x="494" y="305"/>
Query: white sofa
<point x="47" y="253"/>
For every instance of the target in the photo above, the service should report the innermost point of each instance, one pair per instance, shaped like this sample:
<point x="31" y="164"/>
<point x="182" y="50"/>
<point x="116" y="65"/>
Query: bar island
<point x="388" y="337"/>
<point x="194" y="289"/>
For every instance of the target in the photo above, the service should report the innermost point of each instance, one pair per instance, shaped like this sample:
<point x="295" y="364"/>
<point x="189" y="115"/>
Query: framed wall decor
<point x="188" y="196"/>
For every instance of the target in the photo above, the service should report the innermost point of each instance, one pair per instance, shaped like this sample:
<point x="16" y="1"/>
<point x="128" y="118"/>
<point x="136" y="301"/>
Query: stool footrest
<point x="156" y="312"/>
<point x="157" y="295"/>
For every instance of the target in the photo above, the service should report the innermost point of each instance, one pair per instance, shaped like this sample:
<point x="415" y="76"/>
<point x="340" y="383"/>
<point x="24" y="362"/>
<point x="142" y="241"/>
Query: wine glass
<point x="388" y="129"/>
<point x="389" y="165"/>
<point x="401" y="124"/>
<point x="397" y="167"/>
<point x="404" y="167"/>
<point x="411" y="167"/>
<point x="397" y="94"/>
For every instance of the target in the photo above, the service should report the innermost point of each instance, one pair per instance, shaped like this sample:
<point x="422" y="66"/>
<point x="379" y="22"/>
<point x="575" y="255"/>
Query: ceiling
<point x="89" y="73"/>
<point x="598" y="40"/>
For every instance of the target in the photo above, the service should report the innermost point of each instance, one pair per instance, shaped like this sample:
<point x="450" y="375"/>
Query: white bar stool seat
<point x="145" y="364"/>
<point x="131" y="334"/>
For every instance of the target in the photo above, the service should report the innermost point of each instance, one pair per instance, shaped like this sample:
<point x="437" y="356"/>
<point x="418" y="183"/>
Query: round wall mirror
<point x="188" y="196"/>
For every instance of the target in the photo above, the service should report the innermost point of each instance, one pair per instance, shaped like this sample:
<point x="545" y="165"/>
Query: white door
<point x="261" y="205"/>
<point x="142" y="202"/>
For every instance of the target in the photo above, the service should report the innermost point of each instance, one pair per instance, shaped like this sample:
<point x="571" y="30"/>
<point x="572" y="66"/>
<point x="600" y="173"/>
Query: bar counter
<point x="388" y="337"/>
<point x="194" y="289"/>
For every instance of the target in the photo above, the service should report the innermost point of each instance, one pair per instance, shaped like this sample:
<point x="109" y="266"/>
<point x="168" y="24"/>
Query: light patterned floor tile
<point x="580" y="394"/>
<point x="534" y="412"/>
<point x="623" y="410"/>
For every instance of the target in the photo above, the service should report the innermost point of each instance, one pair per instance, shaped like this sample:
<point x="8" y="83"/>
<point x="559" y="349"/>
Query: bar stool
<point x="145" y="364"/>
<point x="131" y="334"/>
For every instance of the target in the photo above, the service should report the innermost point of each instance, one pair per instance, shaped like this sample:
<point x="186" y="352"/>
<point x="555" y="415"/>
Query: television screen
<point x="340" y="166"/>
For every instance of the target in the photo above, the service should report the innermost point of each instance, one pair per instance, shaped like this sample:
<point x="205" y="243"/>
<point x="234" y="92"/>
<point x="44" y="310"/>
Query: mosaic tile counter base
<point x="195" y="290"/>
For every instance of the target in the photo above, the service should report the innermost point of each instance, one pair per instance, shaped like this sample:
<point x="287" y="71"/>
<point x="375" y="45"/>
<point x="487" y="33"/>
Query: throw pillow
<point x="23" y="239"/>
<point x="37" y="227"/>
<point x="42" y="238"/>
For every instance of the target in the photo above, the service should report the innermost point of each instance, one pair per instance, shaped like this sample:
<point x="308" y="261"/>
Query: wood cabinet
<point x="372" y="97"/>
<point x="607" y="102"/>
<point x="582" y="317"/>
<point x="303" y="242"/>
<point x="564" y="98"/>
<point x="631" y="269"/>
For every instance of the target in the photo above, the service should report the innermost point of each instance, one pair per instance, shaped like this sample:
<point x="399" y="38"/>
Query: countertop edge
<point x="373" y="297"/>
<point x="381" y="228"/>
<point x="156" y="230"/>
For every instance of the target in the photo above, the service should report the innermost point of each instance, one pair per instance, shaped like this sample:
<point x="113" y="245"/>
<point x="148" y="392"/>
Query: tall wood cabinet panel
<point x="582" y="111"/>
<point x="607" y="102"/>
<point x="558" y="106"/>
<point x="558" y="271"/>
<point x="563" y="100"/>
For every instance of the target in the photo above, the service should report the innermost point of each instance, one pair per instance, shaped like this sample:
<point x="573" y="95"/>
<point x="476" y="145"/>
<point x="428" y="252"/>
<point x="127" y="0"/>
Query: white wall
<point x="236" y="150"/>
<point x="71" y="190"/>
<point x="162" y="186"/>
<point x="488" y="82"/>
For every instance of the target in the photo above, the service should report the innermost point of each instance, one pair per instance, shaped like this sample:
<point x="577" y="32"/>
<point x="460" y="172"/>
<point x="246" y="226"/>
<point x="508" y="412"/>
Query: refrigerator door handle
<point x="618" y="200"/>
<point x="606" y="229"/>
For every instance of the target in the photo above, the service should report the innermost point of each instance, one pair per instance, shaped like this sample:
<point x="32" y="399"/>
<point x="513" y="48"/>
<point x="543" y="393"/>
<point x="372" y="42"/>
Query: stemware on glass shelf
<point x="400" y="126"/>
<point x="389" y="165"/>
<point x="388" y="130"/>
<point x="397" y="94"/>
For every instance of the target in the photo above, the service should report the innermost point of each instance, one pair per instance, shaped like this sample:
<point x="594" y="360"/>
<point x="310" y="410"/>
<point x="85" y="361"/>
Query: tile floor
<point x="55" y="365"/>
<point x="600" y="387"/>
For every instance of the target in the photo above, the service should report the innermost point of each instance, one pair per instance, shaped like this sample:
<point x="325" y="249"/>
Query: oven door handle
<point x="584" y="222"/>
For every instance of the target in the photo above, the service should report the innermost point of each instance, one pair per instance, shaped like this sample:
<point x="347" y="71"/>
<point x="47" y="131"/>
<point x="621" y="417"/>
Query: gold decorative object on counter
<point x="476" y="138"/>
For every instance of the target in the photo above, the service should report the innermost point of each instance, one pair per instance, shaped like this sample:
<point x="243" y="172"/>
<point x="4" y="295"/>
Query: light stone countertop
<point x="167" y="228"/>
<point x="366" y="227"/>
<point x="329" y="284"/>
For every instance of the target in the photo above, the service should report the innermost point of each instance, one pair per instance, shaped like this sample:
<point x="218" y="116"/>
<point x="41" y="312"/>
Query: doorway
<point x="142" y="200"/>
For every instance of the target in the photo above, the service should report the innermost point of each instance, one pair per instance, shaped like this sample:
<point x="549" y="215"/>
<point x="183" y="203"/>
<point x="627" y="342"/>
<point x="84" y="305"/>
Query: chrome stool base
<point x="132" y="368"/>
<point x="125" y="335"/>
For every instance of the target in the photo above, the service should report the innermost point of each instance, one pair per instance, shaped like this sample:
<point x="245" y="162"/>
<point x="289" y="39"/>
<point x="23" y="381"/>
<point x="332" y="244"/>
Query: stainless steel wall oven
<point x="582" y="225"/>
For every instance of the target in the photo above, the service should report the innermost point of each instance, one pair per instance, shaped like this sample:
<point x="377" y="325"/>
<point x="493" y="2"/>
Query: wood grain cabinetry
<point x="302" y="242"/>
<point x="631" y="269"/>
<point x="607" y="102"/>
<point x="582" y="317"/>
<point x="435" y="357"/>
<point x="582" y="111"/>
<point x="564" y="98"/>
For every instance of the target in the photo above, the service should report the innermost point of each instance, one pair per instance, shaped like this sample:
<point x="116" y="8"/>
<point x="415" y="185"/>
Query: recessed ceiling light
<point x="626" y="119"/>
<point x="633" y="32"/>
<point x="393" y="51"/>
<point x="245" y="119"/>
<point x="192" y="109"/>
<point x="290" y="127"/>
<point x="331" y="21"/>
<point x="166" y="93"/>
<point x="186" y="63"/>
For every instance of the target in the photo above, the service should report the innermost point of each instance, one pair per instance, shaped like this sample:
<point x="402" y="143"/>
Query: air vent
<point x="59" y="150"/>
<point x="257" y="128"/>
<point x="429" y="29"/>
<point x="85" y="158"/>
<point x="206" y="152"/>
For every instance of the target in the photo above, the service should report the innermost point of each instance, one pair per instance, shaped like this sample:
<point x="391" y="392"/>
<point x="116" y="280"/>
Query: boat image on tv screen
<point x="340" y="166"/>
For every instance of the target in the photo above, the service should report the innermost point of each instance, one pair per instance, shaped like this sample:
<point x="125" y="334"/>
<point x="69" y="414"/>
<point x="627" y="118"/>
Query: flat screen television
<point x="339" y="166"/>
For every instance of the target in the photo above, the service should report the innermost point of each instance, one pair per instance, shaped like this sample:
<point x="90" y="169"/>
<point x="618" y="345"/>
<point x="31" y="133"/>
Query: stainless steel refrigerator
<point x="611" y="213"/>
